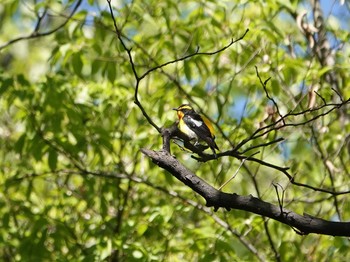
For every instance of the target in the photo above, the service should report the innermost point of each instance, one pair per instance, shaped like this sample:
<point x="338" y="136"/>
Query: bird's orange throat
<point x="180" y="114"/>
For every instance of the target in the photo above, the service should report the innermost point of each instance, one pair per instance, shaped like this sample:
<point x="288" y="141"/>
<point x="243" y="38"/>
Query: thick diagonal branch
<point x="304" y="224"/>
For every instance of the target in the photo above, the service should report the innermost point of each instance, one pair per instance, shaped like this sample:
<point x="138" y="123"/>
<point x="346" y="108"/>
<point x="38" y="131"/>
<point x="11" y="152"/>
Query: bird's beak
<point x="175" y="109"/>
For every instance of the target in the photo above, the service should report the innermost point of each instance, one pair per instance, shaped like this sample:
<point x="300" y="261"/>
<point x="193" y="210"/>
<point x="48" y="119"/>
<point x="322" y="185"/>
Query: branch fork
<point x="301" y="224"/>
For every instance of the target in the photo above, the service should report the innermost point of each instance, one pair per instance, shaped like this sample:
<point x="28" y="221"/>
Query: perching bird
<point x="195" y="126"/>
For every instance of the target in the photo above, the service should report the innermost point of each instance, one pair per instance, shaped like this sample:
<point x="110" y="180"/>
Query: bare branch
<point x="165" y="160"/>
<point x="322" y="98"/>
<point x="265" y="220"/>
<point x="40" y="18"/>
<point x="267" y="93"/>
<point x="330" y="173"/>
<point x="139" y="78"/>
<point x="234" y="175"/>
<point x="196" y="53"/>
<point x="305" y="224"/>
<point x="168" y="133"/>
<point x="277" y="124"/>
<point x="263" y="144"/>
<point x="36" y="33"/>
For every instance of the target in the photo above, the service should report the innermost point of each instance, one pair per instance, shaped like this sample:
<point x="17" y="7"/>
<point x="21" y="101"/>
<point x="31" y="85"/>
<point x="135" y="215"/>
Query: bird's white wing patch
<point x="196" y="122"/>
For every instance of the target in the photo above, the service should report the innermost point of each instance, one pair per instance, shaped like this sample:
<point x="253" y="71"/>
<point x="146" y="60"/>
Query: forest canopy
<point x="93" y="166"/>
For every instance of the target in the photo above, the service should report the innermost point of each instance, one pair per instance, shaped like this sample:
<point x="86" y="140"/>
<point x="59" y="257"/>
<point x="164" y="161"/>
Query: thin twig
<point x="196" y="53"/>
<point x="265" y="219"/>
<point x="280" y="201"/>
<point x="283" y="170"/>
<point x="275" y="125"/>
<point x="263" y="144"/>
<point x="40" y="18"/>
<point x="36" y="34"/>
<point x="139" y="78"/>
<point x="322" y="98"/>
<point x="267" y="93"/>
<point x="234" y="175"/>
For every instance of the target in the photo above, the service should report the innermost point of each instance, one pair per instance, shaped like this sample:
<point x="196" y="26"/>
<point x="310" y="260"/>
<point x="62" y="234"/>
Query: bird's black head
<point x="185" y="108"/>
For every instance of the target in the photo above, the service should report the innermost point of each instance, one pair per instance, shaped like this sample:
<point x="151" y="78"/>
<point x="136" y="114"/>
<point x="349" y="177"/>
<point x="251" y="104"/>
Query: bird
<point x="195" y="126"/>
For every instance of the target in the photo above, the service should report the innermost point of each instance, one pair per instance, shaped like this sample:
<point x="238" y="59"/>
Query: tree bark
<point x="302" y="224"/>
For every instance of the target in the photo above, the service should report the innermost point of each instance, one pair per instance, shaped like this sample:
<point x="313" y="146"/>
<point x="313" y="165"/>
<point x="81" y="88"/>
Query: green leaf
<point x="37" y="147"/>
<point x="20" y="144"/>
<point x="5" y="84"/>
<point x="96" y="66"/>
<point x="141" y="229"/>
<point x="52" y="159"/>
<point x="188" y="72"/>
<point x="275" y="87"/>
<point x="198" y="91"/>
<point x="22" y="80"/>
<point x="77" y="63"/>
<point x="111" y="72"/>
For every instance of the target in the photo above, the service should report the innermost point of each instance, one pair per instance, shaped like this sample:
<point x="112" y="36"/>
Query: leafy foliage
<point x="74" y="185"/>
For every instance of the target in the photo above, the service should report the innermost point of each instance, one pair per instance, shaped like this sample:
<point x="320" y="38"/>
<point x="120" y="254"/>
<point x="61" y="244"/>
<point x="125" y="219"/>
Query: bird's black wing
<point x="196" y="124"/>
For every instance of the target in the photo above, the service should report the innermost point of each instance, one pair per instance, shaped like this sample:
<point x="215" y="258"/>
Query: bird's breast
<point x="187" y="131"/>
